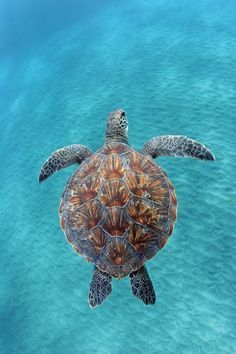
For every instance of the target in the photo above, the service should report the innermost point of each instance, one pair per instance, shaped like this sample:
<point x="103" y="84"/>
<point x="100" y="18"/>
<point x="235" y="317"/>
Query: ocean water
<point x="63" y="67"/>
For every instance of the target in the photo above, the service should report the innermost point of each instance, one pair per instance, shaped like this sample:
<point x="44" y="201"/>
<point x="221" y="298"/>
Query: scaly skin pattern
<point x="100" y="287"/>
<point x="178" y="146"/>
<point x="142" y="287"/>
<point x="62" y="158"/>
<point x="118" y="209"/>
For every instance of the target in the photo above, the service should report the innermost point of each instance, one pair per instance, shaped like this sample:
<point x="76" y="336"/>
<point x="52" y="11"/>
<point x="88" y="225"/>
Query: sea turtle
<point x="119" y="207"/>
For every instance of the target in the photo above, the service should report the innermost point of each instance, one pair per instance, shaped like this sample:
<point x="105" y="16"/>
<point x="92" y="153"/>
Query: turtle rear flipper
<point x="100" y="287"/>
<point x="62" y="158"/>
<point x="142" y="287"/>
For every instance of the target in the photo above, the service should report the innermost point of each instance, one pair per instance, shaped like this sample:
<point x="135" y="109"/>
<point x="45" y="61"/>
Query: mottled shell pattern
<point x="118" y="209"/>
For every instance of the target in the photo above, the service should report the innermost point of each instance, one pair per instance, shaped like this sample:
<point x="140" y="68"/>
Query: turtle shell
<point x="118" y="209"/>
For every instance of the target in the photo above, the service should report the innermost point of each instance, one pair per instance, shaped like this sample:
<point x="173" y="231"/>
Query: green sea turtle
<point x="119" y="207"/>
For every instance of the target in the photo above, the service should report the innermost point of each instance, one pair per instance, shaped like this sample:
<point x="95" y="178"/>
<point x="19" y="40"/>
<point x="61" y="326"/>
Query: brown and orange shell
<point x="118" y="209"/>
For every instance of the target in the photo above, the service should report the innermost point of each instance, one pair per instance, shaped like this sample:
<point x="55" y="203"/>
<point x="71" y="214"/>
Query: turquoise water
<point x="171" y="66"/>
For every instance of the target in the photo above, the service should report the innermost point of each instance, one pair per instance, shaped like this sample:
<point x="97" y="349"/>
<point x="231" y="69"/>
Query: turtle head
<point x="117" y="126"/>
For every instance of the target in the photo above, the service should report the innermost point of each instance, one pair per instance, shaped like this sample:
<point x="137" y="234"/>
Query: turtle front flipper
<point x="62" y="158"/>
<point x="142" y="287"/>
<point x="176" y="145"/>
<point x="100" y="287"/>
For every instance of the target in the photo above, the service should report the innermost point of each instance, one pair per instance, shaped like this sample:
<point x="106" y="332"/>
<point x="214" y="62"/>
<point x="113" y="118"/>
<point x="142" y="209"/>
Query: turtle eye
<point x="123" y="114"/>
